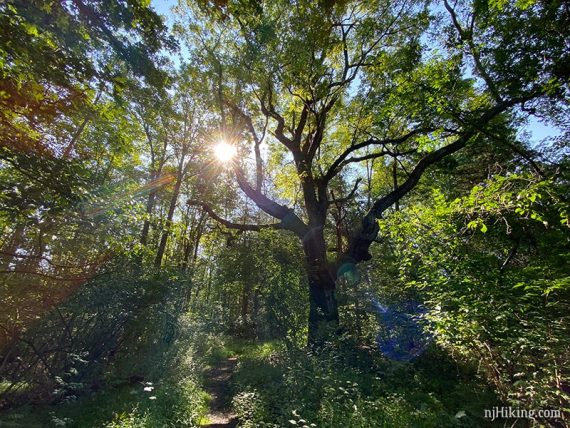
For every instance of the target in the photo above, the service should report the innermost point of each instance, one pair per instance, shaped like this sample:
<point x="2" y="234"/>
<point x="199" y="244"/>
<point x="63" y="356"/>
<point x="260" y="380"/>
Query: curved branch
<point x="349" y="196"/>
<point x="340" y="161"/>
<point x="375" y="155"/>
<point x="467" y="37"/>
<point x="383" y="203"/>
<point x="289" y="220"/>
<point x="269" y="111"/>
<point x="231" y="225"/>
<point x="257" y="139"/>
<point x="368" y="230"/>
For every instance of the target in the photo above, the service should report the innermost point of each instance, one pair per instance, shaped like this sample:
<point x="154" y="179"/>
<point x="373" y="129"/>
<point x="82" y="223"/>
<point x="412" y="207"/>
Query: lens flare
<point x="402" y="335"/>
<point x="115" y="201"/>
<point x="224" y="152"/>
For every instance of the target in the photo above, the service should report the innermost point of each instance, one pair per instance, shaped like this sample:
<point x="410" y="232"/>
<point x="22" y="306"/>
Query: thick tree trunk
<point x="323" y="307"/>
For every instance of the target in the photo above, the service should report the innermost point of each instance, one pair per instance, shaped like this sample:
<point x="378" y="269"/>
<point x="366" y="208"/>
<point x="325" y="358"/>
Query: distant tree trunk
<point x="169" y="216"/>
<point x="81" y="128"/>
<point x="255" y="313"/>
<point x="395" y="179"/>
<point x="155" y="171"/>
<point x="244" y="309"/>
<point x="193" y="241"/>
<point x="183" y="166"/>
<point x="187" y="249"/>
<point x="146" y="225"/>
<point x="245" y="300"/>
<point x="187" y="238"/>
<point x="9" y="247"/>
<point x="245" y="328"/>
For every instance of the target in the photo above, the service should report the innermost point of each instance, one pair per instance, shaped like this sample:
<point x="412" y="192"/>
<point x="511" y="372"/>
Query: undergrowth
<point x="345" y="385"/>
<point x="157" y="388"/>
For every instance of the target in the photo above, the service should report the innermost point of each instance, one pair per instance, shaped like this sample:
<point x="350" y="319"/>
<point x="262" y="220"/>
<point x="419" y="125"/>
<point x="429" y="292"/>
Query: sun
<point x="224" y="152"/>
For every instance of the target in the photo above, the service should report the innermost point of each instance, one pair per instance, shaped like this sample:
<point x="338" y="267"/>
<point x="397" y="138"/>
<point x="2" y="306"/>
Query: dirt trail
<point x="218" y="386"/>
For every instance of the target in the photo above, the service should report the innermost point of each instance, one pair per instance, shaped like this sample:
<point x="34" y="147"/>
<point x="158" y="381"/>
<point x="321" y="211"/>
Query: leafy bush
<point x="492" y="269"/>
<point x="130" y="360"/>
<point x="344" y="385"/>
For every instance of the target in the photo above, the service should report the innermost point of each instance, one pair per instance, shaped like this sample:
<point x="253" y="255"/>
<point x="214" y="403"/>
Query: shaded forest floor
<point x="225" y="382"/>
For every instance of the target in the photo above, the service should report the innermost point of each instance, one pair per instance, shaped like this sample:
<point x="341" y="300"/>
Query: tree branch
<point x="289" y="220"/>
<point x="340" y="161"/>
<point x="257" y="143"/>
<point x="375" y="155"/>
<point x="231" y="225"/>
<point x="337" y="201"/>
<point x="467" y="37"/>
<point x="368" y="230"/>
<point x="269" y="111"/>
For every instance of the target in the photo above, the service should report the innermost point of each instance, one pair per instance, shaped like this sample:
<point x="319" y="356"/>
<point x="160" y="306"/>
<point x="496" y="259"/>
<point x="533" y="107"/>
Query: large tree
<point x="339" y="83"/>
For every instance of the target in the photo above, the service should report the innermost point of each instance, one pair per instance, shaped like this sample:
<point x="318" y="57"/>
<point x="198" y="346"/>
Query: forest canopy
<point x="356" y="183"/>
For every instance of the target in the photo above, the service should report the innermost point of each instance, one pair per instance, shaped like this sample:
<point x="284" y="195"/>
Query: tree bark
<point x="323" y="307"/>
<point x="170" y="215"/>
<point x="148" y="211"/>
<point x="395" y="179"/>
<point x="155" y="172"/>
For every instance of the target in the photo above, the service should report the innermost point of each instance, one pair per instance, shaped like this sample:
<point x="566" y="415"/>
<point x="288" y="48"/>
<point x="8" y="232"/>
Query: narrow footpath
<point x="218" y="386"/>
